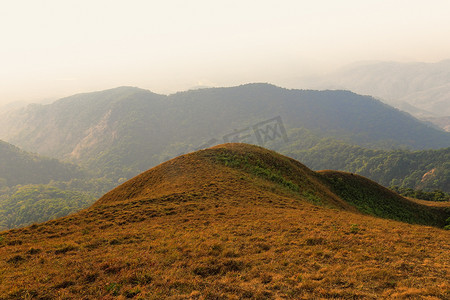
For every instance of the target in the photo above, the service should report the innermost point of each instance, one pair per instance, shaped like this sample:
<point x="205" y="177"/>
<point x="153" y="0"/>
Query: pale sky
<point x="55" y="48"/>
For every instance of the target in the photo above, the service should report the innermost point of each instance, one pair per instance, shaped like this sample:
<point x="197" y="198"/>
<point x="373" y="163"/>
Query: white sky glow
<point x="55" y="48"/>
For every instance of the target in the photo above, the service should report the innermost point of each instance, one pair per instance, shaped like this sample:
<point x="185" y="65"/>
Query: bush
<point x="447" y="227"/>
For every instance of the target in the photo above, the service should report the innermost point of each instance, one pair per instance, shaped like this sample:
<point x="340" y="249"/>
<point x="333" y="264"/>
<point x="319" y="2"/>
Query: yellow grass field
<point x="198" y="227"/>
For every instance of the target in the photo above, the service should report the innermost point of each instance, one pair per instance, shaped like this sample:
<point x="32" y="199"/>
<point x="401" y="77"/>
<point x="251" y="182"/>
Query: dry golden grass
<point x="196" y="229"/>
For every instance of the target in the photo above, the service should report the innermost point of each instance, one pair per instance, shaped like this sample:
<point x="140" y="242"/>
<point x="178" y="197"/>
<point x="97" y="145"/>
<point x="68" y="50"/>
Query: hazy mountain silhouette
<point x="422" y="89"/>
<point x="20" y="167"/>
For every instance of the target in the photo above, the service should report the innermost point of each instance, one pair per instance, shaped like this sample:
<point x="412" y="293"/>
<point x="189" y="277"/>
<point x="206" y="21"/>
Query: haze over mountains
<point x="20" y="167"/>
<point x="422" y="89"/>
<point x="121" y="127"/>
<point x="207" y="150"/>
<point x="35" y="188"/>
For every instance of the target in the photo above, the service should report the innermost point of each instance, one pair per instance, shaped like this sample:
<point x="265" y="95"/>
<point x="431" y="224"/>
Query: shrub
<point x="113" y="288"/>
<point x="65" y="249"/>
<point x="34" y="251"/>
<point x="132" y="293"/>
<point x="447" y="227"/>
<point x="16" y="259"/>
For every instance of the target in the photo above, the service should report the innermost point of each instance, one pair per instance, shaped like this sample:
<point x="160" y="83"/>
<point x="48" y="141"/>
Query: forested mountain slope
<point x="126" y="130"/>
<point x="35" y="188"/>
<point x="424" y="169"/>
<point x="20" y="167"/>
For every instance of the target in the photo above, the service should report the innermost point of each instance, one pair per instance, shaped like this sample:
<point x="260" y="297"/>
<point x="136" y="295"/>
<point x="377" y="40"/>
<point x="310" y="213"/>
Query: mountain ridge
<point x="20" y="167"/>
<point x="115" y="132"/>
<point x="420" y="88"/>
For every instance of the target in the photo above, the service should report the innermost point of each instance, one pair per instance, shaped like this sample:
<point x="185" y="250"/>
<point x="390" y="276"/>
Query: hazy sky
<point x="57" y="48"/>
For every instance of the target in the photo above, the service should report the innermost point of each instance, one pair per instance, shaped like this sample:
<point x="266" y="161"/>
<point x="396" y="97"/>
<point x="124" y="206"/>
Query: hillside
<point x="35" y="188"/>
<point x="422" y="89"/>
<point x="123" y="131"/>
<point x="233" y="221"/>
<point x="426" y="169"/>
<point x="370" y="198"/>
<point x="442" y="122"/>
<point x="20" y="167"/>
<point x="30" y="204"/>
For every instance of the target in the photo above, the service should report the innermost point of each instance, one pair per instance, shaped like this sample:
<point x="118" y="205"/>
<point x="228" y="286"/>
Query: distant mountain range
<point x="126" y="130"/>
<point x="422" y="89"/>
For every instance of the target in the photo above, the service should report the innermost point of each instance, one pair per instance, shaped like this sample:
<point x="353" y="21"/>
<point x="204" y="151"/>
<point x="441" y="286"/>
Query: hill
<point x="427" y="170"/>
<point x="123" y="131"/>
<point x="35" y="188"/>
<point x="442" y="122"/>
<point x="370" y="198"/>
<point x="232" y="221"/>
<point x="20" y="167"/>
<point x="30" y="204"/>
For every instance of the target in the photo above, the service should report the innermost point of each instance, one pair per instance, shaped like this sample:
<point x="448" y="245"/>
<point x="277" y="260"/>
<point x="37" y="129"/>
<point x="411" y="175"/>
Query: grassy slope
<point x="211" y="225"/>
<point x="373" y="199"/>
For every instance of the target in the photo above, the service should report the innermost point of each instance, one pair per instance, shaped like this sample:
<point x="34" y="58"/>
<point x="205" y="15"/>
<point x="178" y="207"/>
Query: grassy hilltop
<point x="231" y="222"/>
